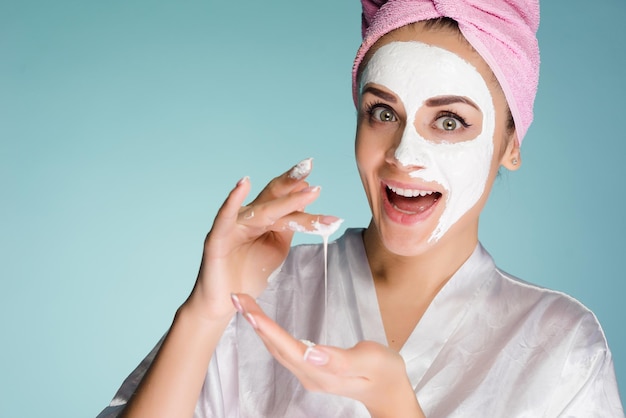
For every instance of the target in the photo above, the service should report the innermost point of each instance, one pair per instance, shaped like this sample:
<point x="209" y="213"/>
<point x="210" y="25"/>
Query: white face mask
<point x="416" y="72"/>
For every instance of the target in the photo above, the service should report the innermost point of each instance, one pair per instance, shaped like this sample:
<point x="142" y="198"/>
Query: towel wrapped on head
<point x="503" y="32"/>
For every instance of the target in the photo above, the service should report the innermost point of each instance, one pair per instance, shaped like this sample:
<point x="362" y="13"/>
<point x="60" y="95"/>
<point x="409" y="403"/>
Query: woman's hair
<point x="502" y="32"/>
<point x="451" y="24"/>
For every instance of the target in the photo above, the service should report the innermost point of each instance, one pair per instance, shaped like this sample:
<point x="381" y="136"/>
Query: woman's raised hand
<point x="368" y="372"/>
<point x="244" y="246"/>
<point x="247" y="243"/>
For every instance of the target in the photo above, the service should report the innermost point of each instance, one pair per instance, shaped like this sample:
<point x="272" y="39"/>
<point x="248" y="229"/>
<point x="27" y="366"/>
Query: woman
<point x="419" y="320"/>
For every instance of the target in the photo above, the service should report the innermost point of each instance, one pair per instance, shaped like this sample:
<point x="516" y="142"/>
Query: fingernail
<point x="301" y="170"/>
<point x="310" y="189"/>
<point x="314" y="356"/>
<point x="252" y="321"/>
<point x="329" y="219"/>
<point x="236" y="302"/>
<point x="242" y="181"/>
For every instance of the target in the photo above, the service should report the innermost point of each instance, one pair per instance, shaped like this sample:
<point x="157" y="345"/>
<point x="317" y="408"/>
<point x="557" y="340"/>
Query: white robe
<point x="489" y="345"/>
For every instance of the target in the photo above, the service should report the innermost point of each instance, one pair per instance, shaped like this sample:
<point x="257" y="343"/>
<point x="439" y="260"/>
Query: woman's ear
<point x="512" y="157"/>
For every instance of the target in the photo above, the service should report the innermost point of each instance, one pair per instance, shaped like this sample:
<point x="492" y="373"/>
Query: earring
<point x="514" y="161"/>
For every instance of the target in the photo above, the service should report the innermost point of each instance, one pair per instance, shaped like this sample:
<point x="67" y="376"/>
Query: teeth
<point x="409" y="192"/>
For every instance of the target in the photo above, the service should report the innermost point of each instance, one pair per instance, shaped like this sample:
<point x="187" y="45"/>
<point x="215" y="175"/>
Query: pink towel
<point x="503" y="32"/>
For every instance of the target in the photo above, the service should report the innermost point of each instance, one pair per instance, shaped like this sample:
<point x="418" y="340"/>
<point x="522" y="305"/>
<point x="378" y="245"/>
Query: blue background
<point x="123" y="125"/>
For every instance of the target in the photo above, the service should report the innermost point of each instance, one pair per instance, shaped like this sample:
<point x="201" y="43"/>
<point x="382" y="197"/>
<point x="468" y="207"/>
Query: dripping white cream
<point x="325" y="231"/>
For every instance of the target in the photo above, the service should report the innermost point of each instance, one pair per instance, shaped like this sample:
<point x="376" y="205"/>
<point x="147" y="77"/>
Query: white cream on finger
<point x="301" y="170"/>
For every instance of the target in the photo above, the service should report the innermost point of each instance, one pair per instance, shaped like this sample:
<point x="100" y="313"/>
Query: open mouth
<point x="411" y="201"/>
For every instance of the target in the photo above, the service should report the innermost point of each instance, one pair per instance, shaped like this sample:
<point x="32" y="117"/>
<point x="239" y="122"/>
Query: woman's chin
<point x="406" y="243"/>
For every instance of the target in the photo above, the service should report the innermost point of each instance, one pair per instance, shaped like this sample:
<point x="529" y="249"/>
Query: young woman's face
<point x="430" y="138"/>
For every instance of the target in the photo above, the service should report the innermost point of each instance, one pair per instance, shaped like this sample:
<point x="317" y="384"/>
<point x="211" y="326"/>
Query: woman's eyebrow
<point x="447" y="100"/>
<point x="380" y="93"/>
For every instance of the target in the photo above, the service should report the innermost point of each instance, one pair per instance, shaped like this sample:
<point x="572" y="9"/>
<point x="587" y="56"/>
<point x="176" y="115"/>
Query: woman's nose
<point x="408" y="153"/>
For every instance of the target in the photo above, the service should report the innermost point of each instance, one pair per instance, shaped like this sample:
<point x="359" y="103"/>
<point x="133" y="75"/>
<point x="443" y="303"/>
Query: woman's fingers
<point x="266" y="214"/>
<point x="312" y="364"/>
<point x="288" y="182"/>
<point x="353" y="372"/>
<point x="287" y="350"/>
<point x="285" y="194"/>
<point x="229" y="211"/>
<point x="278" y="341"/>
<point x="280" y="214"/>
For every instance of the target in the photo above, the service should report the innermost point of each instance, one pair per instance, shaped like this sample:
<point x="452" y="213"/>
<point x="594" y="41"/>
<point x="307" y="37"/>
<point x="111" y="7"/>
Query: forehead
<point x="416" y="71"/>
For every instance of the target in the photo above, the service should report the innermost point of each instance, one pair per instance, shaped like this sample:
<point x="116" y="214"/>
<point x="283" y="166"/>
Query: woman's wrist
<point x="172" y="384"/>
<point x="192" y="311"/>
<point x="402" y="404"/>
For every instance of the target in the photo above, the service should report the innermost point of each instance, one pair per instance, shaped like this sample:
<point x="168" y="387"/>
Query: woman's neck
<point x="430" y="269"/>
<point x="405" y="286"/>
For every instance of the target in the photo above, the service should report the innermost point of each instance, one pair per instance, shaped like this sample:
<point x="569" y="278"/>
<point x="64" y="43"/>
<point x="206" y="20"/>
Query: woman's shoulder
<point x="551" y="311"/>
<point x="565" y="338"/>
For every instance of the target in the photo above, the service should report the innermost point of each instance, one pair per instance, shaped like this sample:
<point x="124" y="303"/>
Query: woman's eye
<point x="450" y="123"/>
<point x="447" y="123"/>
<point x="383" y="114"/>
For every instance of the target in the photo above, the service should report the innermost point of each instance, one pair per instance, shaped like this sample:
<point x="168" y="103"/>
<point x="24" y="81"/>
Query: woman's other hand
<point x="368" y="372"/>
